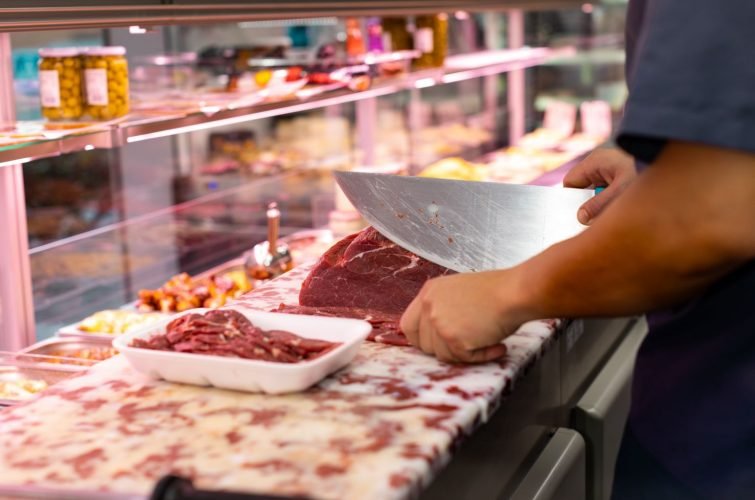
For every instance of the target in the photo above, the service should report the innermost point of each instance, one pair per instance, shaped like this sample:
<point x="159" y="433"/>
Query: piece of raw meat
<point x="385" y="326"/>
<point x="368" y="271"/>
<point x="366" y="276"/>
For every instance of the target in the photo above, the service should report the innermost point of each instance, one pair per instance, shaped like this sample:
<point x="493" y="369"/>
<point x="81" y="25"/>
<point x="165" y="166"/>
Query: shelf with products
<point x="34" y="140"/>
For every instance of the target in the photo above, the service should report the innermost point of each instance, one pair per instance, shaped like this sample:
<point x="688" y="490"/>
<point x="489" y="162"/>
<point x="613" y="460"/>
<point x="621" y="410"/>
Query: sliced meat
<point x="385" y="326"/>
<point x="230" y="333"/>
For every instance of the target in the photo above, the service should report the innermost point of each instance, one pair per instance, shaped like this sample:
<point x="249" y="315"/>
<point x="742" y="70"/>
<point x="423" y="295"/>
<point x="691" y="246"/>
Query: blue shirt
<point x="691" y="75"/>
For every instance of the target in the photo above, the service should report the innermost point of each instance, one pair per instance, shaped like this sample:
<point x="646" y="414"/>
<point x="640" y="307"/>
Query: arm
<point x="684" y="223"/>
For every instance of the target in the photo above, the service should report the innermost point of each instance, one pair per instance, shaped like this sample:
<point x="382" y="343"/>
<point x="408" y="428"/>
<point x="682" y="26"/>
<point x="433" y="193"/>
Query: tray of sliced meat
<point x="250" y="351"/>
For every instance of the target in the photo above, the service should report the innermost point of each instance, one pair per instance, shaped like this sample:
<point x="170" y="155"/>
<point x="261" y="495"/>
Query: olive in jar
<point x="60" y="84"/>
<point x="106" y="82"/>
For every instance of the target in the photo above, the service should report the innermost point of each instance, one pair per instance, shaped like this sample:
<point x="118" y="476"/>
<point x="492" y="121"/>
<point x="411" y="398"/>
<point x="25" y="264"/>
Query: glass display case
<point x="249" y="107"/>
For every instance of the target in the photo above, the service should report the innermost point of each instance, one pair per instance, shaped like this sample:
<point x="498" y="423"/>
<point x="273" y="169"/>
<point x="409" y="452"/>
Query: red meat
<point x="368" y="271"/>
<point x="366" y="276"/>
<point x="230" y="333"/>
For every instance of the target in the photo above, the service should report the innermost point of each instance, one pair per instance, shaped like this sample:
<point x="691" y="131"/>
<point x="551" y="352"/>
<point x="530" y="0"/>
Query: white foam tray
<point x="247" y="374"/>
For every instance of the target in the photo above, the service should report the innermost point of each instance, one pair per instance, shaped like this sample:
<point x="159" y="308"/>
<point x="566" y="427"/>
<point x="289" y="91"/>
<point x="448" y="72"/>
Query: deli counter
<point x="199" y="176"/>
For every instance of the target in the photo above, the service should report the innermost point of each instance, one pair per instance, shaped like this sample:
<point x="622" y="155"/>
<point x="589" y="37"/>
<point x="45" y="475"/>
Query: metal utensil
<point x="463" y="225"/>
<point x="270" y="258"/>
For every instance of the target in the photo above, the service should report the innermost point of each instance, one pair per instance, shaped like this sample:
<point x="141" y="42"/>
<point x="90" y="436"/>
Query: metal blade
<point x="463" y="225"/>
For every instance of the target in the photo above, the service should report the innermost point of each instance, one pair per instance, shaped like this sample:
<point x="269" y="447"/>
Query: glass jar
<point x="396" y="34"/>
<point x="160" y="76"/>
<point x="60" y="88"/>
<point x="431" y="40"/>
<point x="106" y="82"/>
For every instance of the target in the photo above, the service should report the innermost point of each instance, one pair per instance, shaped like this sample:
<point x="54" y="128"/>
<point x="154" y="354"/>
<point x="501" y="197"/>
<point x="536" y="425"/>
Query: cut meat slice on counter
<point x="366" y="276"/>
<point x="385" y="326"/>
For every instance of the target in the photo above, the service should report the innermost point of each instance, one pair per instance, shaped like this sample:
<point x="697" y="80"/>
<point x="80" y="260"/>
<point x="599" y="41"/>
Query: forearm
<point x="687" y="221"/>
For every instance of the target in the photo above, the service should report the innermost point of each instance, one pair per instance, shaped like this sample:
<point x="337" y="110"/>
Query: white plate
<point x="247" y="374"/>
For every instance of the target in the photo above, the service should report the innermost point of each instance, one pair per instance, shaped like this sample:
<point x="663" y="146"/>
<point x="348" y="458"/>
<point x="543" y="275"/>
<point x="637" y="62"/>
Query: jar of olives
<point x="60" y="88"/>
<point x="106" y="82"/>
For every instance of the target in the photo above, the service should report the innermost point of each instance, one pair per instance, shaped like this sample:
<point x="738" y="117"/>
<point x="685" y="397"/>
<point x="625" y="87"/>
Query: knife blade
<point x="465" y="225"/>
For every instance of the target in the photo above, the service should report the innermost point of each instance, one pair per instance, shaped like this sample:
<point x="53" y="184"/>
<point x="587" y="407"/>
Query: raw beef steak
<point x="367" y="271"/>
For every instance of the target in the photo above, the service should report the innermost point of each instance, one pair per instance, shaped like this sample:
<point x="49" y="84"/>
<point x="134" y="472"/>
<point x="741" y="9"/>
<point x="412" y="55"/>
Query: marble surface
<point x="378" y="429"/>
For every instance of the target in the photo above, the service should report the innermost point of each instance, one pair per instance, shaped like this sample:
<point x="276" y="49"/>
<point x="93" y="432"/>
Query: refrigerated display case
<point x="96" y="212"/>
<point x="181" y="183"/>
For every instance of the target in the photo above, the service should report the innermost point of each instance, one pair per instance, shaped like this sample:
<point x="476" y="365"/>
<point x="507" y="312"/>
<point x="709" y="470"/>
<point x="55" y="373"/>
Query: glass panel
<point x="105" y="223"/>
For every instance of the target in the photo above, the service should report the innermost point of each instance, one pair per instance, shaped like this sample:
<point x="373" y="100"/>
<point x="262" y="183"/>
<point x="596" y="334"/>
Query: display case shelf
<point x="138" y="128"/>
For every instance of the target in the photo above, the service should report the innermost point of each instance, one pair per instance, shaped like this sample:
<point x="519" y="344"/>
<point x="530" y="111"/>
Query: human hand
<point x="603" y="167"/>
<point x="464" y="317"/>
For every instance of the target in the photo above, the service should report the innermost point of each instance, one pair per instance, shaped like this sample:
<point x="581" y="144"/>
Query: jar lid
<point x="114" y="50"/>
<point x="60" y="52"/>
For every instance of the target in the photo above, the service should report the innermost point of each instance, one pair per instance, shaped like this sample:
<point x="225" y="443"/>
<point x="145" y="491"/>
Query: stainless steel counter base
<point x="501" y="458"/>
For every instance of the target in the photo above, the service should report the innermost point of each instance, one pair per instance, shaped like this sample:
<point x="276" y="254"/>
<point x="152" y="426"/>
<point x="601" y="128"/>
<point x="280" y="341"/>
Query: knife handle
<point x="599" y="190"/>
<point x="173" y="487"/>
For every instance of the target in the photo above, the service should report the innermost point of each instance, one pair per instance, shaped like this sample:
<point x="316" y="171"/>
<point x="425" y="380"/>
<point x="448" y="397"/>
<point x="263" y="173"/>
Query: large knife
<point x="465" y="225"/>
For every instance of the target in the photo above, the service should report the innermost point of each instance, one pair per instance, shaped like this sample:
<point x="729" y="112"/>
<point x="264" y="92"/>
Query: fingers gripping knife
<point x="270" y="258"/>
<point x="463" y="225"/>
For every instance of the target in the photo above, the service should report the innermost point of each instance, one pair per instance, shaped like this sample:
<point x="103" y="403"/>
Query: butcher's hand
<point x="610" y="168"/>
<point x="464" y="317"/>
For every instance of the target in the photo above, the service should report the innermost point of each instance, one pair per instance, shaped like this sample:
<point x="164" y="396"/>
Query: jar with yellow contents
<point x="60" y="85"/>
<point x="106" y="82"/>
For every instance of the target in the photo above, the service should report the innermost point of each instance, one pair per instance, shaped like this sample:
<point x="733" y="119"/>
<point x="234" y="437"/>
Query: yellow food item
<point x="106" y="82"/>
<point x="21" y="389"/>
<point x="85" y="355"/>
<point x="456" y="169"/>
<point x="262" y="78"/>
<point x="116" y="321"/>
<point x="60" y="82"/>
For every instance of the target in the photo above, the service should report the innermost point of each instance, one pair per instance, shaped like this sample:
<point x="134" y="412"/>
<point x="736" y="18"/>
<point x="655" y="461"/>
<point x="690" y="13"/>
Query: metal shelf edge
<point x="123" y="133"/>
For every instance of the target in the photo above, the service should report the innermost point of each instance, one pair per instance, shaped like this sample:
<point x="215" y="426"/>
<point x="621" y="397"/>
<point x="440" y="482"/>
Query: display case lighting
<point x="424" y="83"/>
<point x="16" y="162"/>
<point x="137" y="30"/>
<point x="89" y="147"/>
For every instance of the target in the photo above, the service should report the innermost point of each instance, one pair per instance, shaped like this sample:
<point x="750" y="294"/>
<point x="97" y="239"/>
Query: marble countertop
<point x="379" y="428"/>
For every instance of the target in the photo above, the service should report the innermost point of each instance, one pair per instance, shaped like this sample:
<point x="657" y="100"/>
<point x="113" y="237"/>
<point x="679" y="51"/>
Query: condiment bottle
<point x="60" y="89"/>
<point x="396" y="35"/>
<point x="354" y="40"/>
<point x="374" y="35"/>
<point x="270" y="258"/>
<point x="431" y="40"/>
